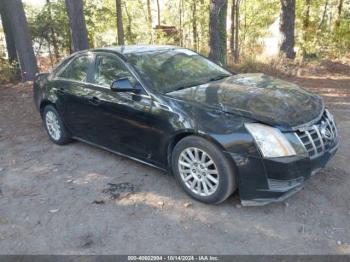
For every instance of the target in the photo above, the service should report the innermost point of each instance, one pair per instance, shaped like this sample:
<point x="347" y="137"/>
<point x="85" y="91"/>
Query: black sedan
<point x="174" y="109"/>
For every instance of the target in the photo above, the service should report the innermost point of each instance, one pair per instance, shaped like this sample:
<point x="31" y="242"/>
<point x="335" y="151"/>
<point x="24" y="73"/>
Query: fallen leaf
<point x="188" y="204"/>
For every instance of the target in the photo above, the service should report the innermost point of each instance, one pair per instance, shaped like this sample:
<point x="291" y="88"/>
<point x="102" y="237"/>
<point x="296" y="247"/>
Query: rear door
<point x="75" y="96"/>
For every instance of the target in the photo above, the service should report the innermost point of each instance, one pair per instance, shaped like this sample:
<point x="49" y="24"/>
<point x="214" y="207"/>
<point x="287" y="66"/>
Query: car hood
<point x="258" y="96"/>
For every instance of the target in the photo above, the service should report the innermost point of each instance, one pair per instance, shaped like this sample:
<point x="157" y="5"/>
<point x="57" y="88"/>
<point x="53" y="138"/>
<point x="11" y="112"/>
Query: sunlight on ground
<point x="88" y="178"/>
<point x="343" y="249"/>
<point x="200" y="214"/>
<point x="147" y="198"/>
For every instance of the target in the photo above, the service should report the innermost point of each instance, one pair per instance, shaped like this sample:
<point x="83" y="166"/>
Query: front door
<point x="124" y="119"/>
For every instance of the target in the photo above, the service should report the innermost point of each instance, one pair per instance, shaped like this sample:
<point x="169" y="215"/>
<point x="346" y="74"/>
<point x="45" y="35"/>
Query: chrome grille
<point x="319" y="137"/>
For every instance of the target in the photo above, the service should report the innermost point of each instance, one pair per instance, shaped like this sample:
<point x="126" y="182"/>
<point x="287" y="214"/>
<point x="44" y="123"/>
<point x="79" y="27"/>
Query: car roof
<point x="129" y="49"/>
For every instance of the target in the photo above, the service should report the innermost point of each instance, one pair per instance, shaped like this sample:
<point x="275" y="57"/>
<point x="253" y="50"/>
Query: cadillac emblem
<point x="326" y="132"/>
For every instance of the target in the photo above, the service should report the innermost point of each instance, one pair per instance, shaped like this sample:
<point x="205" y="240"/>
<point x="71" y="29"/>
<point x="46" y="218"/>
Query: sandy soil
<point x="78" y="199"/>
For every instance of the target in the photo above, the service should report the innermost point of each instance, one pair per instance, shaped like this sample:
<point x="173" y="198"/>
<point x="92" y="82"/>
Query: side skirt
<point x="119" y="154"/>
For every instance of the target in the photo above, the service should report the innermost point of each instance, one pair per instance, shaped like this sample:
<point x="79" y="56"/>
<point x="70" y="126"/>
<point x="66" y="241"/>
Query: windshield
<point x="175" y="69"/>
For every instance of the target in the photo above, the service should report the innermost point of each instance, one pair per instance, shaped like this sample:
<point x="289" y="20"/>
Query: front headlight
<point x="271" y="141"/>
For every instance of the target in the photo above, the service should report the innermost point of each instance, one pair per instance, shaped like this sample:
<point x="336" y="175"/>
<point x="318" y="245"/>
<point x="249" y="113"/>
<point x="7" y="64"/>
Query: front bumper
<point x="282" y="177"/>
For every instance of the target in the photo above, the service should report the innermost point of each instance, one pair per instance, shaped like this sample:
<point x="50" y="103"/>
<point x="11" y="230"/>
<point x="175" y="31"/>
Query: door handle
<point x="94" y="101"/>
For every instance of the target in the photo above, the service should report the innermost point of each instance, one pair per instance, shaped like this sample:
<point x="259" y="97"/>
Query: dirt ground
<point x="78" y="199"/>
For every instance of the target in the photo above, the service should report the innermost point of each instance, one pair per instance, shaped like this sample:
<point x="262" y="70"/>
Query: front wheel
<point x="203" y="170"/>
<point x="54" y="126"/>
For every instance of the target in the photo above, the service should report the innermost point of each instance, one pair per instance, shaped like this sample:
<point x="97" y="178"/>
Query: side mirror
<point x="123" y="85"/>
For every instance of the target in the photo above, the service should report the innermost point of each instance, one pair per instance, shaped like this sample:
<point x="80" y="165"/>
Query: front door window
<point x="109" y="69"/>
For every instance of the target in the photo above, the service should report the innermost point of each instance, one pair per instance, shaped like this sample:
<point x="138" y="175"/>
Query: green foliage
<point x="255" y="19"/>
<point x="100" y="18"/>
<point x="8" y="72"/>
<point x="321" y="38"/>
<point x="51" y="21"/>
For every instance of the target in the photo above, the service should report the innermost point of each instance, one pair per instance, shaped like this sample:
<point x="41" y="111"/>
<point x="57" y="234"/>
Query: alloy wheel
<point x="198" y="171"/>
<point x="53" y="126"/>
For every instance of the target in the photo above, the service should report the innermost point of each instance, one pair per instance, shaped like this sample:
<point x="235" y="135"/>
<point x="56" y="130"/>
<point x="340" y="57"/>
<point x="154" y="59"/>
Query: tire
<point x="54" y="126"/>
<point x="205" y="173"/>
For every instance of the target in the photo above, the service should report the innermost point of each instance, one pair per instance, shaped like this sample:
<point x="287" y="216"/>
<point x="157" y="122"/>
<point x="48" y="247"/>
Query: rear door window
<point x="78" y="69"/>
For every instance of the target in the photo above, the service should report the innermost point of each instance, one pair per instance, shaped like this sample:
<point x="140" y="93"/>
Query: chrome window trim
<point x="57" y="77"/>
<point x="107" y="88"/>
<point x="71" y="80"/>
<point x="96" y="85"/>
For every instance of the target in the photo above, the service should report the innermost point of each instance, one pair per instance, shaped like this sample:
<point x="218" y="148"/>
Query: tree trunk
<point x="128" y="27"/>
<point x="182" y="12"/>
<point x="180" y="21"/>
<point x="236" y="52"/>
<point x="201" y="25"/>
<point x="50" y="53"/>
<point x="217" y="31"/>
<point x="9" y="38"/>
<point x="79" y="34"/>
<point x="15" y="12"/>
<point x="120" y="27"/>
<point x="149" y="19"/>
<point x="306" y="15"/>
<point x="306" y="23"/>
<point x="324" y="14"/>
<point x="233" y="28"/>
<point x="158" y="9"/>
<point x="287" y="25"/>
<point x="194" y="26"/>
<point x="339" y="10"/>
<point x="53" y="33"/>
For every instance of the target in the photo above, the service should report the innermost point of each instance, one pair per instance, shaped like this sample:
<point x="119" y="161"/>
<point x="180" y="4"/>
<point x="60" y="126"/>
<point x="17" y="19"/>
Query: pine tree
<point x="79" y="34"/>
<point x="217" y="31"/>
<point x="14" y="11"/>
<point x="287" y="25"/>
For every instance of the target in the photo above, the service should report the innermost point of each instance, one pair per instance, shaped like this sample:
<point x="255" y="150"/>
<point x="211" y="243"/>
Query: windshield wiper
<point x="218" y="77"/>
<point x="186" y="86"/>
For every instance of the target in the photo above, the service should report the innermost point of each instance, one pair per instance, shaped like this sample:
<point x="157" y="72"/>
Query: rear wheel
<point x="54" y="126"/>
<point x="203" y="170"/>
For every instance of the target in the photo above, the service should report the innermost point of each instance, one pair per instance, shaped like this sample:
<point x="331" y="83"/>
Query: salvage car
<point x="174" y="109"/>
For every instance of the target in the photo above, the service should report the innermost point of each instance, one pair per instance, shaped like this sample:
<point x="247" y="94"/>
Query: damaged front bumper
<point x="282" y="177"/>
